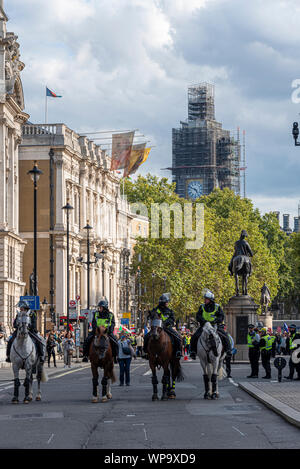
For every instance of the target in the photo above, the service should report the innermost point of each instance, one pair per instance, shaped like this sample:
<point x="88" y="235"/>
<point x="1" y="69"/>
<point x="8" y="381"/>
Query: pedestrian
<point x="68" y="347"/>
<point x="124" y="358"/>
<point x="50" y="346"/>
<point x="139" y="344"/>
<point x="228" y="358"/>
<point x="290" y="347"/>
<point x="283" y="343"/>
<point x="253" y="340"/>
<point x="265" y="346"/>
<point x="188" y="343"/>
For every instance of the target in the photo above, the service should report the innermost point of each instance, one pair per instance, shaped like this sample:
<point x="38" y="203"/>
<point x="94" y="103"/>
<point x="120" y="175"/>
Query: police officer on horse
<point x="102" y="317"/>
<point x="39" y="344"/>
<point x="211" y="312"/>
<point x="163" y="312"/>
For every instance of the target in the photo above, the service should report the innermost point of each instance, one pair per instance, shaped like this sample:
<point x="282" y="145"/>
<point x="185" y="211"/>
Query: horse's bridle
<point x="20" y="356"/>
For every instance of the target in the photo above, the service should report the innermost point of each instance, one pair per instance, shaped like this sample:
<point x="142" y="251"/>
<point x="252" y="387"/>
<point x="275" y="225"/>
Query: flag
<point x="285" y="327"/>
<point x="137" y="158"/>
<point x="121" y="149"/>
<point x="51" y="93"/>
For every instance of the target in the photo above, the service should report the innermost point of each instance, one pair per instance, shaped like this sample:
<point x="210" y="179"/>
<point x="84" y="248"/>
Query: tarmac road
<point x="66" y="418"/>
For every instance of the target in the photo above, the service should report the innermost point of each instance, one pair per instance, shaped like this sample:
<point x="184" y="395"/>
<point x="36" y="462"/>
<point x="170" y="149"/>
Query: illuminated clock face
<point x="195" y="189"/>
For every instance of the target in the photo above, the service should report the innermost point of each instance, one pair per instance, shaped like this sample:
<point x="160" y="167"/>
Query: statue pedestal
<point x="240" y="311"/>
<point x="266" y="319"/>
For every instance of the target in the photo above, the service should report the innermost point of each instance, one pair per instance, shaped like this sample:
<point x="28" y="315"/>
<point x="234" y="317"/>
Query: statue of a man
<point x="265" y="298"/>
<point x="240" y="264"/>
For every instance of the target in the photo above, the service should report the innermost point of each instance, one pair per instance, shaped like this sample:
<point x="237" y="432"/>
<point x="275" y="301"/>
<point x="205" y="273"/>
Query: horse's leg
<point x="95" y="397"/>
<point x="39" y="371"/>
<point x="154" y="380"/>
<point x="245" y="287"/>
<point x="171" y="393"/>
<point x="27" y="384"/>
<point x="30" y="386"/>
<point x="214" y="379"/>
<point x="165" y="380"/>
<point x="237" y="290"/>
<point x="15" y="399"/>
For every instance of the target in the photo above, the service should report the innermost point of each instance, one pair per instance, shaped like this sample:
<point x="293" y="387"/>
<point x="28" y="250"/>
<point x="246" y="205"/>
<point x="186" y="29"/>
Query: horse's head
<point x="23" y="322"/>
<point x="210" y="334"/>
<point x="100" y="341"/>
<point x="156" y="328"/>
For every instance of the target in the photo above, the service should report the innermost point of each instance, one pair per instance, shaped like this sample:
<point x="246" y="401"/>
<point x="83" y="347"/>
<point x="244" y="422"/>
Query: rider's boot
<point x="85" y="359"/>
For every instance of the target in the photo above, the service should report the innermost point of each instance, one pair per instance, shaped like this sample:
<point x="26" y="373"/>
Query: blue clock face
<point x="195" y="189"/>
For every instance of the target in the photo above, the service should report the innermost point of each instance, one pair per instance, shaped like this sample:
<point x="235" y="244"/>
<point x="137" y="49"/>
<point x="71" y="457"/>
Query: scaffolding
<point x="202" y="150"/>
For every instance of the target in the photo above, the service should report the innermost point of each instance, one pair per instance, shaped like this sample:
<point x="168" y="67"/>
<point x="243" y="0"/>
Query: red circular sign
<point x="77" y="297"/>
<point x="72" y="303"/>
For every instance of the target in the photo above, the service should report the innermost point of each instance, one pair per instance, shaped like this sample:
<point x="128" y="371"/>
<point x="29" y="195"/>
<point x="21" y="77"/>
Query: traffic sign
<point x="72" y="304"/>
<point x="77" y="297"/>
<point x="34" y="302"/>
<point x="127" y="315"/>
<point x="125" y="321"/>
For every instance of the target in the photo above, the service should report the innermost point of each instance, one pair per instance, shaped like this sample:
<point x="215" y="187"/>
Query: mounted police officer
<point x="102" y="317"/>
<point x="32" y="328"/>
<point x="213" y="313"/>
<point x="253" y="340"/>
<point x="167" y="316"/>
<point x="290" y="348"/>
<point x="265" y="346"/>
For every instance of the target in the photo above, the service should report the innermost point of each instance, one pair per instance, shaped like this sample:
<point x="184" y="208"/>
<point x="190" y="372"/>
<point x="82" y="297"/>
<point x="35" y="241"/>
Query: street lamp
<point x="138" y="303"/>
<point x="67" y="208"/>
<point x="127" y="287"/>
<point x="295" y="133"/>
<point x="153" y="276"/>
<point x="88" y="262"/>
<point x="45" y="304"/>
<point x="35" y="174"/>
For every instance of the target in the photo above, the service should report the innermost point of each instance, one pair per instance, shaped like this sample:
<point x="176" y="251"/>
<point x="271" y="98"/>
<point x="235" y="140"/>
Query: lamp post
<point x="45" y="304"/>
<point x="138" y="302"/>
<point x="35" y="174"/>
<point x="153" y="276"/>
<point x="103" y="252"/>
<point x="67" y="208"/>
<point x="295" y="133"/>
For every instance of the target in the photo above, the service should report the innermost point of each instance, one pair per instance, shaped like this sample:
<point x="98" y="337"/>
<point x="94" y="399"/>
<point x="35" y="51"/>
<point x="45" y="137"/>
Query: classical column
<point x="60" y="199"/>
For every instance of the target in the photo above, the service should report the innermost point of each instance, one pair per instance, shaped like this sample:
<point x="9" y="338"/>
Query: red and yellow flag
<point x="139" y="155"/>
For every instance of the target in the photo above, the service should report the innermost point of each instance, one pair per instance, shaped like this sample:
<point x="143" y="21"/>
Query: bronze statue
<point x="265" y="299"/>
<point x="240" y="264"/>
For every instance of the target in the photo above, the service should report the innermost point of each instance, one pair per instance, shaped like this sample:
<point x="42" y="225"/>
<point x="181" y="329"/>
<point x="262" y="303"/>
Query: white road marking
<point x="136" y="424"/>
<point x="50" y="439"/>
<point x="232" y="382"/>
<point x="69" y="372"/>
<point x="146" y="438"/>
<point x="147" y="373"/>
<point x="130" y="415"/>
<point x="108" y="421"/>
<point x="7" y="387"/>
<point x="243" y="434"/>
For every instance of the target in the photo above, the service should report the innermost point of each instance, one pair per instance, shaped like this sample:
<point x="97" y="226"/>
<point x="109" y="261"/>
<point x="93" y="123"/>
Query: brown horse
<point x="160" y="352"/>
<point x="100" y="354"/>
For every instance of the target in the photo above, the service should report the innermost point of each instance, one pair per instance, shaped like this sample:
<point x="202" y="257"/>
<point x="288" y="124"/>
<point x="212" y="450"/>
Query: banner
<point x="121" y="150"/>
<point x="139" y="155"/>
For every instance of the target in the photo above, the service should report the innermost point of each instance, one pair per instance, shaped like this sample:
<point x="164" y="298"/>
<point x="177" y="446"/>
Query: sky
<point x="127" y="64"/>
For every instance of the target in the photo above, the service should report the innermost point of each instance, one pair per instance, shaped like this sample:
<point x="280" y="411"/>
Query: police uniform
<point x="290" y="350"/>
<point x="106" y="319"/>
<point x="253" y="340"/>
<point x="167" y="316"/>
<point x="265" y="346"/>
<point x="213" y="313"/>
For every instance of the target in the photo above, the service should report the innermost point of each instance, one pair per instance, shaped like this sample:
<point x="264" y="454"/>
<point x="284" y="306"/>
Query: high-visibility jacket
<point x="292" y="338"/>
<point x="187" y="340"/>
<point x="210" y="317"/>
<point x="268" y="343"/>
<point x="106" y="322"/>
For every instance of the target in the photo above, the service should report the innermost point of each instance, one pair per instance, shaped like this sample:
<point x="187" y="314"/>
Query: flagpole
<point x="46" y="108"/>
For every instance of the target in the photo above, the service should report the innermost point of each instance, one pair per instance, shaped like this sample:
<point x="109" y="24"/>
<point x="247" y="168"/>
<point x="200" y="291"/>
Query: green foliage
<point x="189" y="271"/>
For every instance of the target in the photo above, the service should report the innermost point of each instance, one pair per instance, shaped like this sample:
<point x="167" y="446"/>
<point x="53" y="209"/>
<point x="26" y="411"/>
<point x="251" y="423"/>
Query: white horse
<point x="209" y="350"/>
<point x="23" y="356"/>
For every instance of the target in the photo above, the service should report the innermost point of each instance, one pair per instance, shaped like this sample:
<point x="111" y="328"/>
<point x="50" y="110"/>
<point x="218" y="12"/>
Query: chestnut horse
<point x="160" y="352"/>
<point x="100" y="354"/>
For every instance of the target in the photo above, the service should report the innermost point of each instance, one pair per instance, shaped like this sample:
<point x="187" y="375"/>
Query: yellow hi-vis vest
<point x="292" y="347"/>
<point x="163" y="317"/>
<point x="210" y="317"/>
<point x="106" y="322"/>
<point x="268" y="343"/>
<point x="188" y="340"/>
<point x="250" y="339"/>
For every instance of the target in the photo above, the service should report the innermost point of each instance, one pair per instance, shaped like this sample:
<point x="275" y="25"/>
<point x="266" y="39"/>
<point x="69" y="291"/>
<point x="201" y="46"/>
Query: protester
<point x="124" y="358"/>
<point x="68" y="348"/>
<point x="50" y="346"/>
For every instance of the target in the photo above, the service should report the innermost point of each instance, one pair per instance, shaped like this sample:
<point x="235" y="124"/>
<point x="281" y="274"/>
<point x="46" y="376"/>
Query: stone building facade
<point x="12" y="117"/>
<point x="74" y="169"/>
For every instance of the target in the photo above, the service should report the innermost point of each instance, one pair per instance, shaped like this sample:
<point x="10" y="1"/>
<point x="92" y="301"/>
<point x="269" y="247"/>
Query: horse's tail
<point x="44" y="376"/>
<point x="238" y="263"/>
<point x="178" y="373"/>
<point x="112" y="376"/>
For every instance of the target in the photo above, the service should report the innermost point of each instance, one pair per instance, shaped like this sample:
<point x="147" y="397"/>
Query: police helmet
<point x="209" y="295"/>
<point x="292" y="326"/>
<point x="164" y="298"/>
<point x="251" y="326"/>
<point x="264" y="330"/>
<point x="23" y="304"/>
<point x="103" y="303"/>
